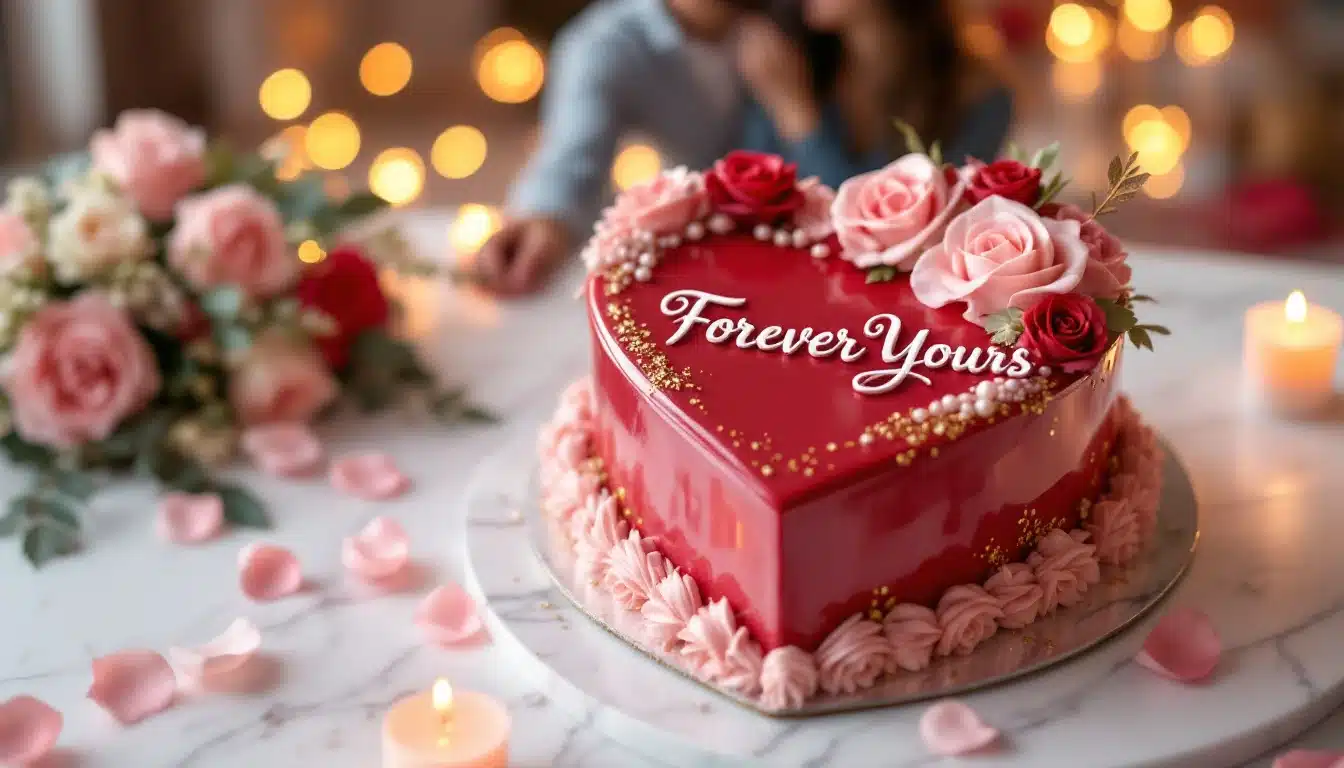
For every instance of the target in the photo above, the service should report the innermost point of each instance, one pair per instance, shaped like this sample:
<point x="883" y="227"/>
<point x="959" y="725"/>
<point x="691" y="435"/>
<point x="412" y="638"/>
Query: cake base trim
<point x="706" y="641"/>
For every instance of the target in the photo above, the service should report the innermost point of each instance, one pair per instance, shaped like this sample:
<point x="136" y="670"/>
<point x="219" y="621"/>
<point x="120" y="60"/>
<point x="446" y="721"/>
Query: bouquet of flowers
<point x="153" y="309"/>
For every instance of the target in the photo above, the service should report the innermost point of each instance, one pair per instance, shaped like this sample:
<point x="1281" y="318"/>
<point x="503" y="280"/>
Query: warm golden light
<point x="458" y="152"/>
<point x="1148" y="15"/>
<point x="1138" y="114"/>
<point x="475" y="223"/>
<point x="1211" y="33"/>
<point x="441" y="695"/>
<point x="492" y="39"/>
<point x="1076" y="80"/>
<point x="1102" y="30"/>
<point x="310" y="252"/>
<point x="511" y="71"/>
<point x="286" y="151"/>
<point x="385" y="69"/>
<point x="397" y="175"/>
<point x="332" y="141"/>
<point x="983" y="39"/>
<point x="1158" y="145"/>
<point x="1166" y="185"/>
<point x="635" y="164"/>
<point x="1295" y="308"/>
<point x="1071" y="23"/>
<point x="1138" y="44"/>
<point x="1179" y="122"/>
<point x="285" y="94"/>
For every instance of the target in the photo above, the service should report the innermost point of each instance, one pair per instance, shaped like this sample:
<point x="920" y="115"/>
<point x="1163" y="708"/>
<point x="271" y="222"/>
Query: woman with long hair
<point x="831" y="77"/>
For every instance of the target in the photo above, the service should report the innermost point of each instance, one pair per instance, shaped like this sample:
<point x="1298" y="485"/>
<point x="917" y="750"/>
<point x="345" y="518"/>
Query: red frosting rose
<point x="345" y="288"/>
<point x="1065" y="330"/>
<point x="754" y="186"/>
<point x="1005" y="178"/>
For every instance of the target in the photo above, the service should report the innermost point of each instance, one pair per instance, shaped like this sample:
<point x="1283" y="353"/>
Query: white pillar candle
<point x="1291" y="350"/>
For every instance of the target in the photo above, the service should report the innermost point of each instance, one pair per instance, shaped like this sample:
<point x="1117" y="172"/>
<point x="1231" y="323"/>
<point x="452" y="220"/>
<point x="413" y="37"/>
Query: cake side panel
<point x="911" y="533"/>
<point x="702" y="517"/>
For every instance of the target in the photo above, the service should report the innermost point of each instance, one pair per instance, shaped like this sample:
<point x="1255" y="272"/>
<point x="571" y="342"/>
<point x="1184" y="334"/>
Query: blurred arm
<point x="984" y="128"/>
<point x="825" y="151"/>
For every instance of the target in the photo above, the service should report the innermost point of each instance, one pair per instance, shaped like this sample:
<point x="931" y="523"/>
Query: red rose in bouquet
<point x="754" y="187"/>
<point x="345" y="288"/>
<point x="1065" y="330"/>
<point x="1005" y="178"/>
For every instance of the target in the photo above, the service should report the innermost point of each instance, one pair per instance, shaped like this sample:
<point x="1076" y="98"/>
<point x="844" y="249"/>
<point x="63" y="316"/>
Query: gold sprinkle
<point x="767" y="470"/>
<point x="755" y="445"/>
<point x="831" y="447"/>
<point x="875" y="615"/>
<point x="883" y="591"/>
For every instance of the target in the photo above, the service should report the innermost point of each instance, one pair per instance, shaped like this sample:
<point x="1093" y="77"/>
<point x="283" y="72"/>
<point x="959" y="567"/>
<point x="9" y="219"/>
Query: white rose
<point x="96" y="232"/>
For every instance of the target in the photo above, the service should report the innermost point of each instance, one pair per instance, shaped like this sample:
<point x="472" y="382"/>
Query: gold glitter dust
<point x="767" y="470"/>
<point x="645" y="353"/>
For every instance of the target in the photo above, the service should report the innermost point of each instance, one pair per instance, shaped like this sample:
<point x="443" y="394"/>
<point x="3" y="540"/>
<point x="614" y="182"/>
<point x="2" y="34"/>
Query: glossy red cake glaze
<point x="718" y="472"/>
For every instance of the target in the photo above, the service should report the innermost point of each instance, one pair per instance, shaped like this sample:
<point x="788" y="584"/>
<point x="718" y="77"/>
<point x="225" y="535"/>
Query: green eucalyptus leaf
<point x="1140" y="338"/>
<point x="233" y="339"/>
<point x="21" y="451"/>
<point x="478" y="415"/>
<point x="303" y="198"/>
<point x="221" y="164"/>
<point x="1119" y="319"/>
<point x="1160" y="330"/>
<point x="241" y="508"/>
<point x="223" y="303"/>
<point x="913" y="143"/>
<point x="10" y="523"/>
<point x="76" y="485"/>
<point x="1013" y="152"/>
<point x="1137" y="297"/>
<point x="1045" y="156"/>
<point x="46" y="542"/>
<point x="48" y="510"/>
<point x="360" y="204"/>
<point x="936" y="153"/>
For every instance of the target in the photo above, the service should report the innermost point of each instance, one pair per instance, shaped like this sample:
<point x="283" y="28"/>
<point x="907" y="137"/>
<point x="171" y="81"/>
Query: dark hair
<point x="931" y="63"/>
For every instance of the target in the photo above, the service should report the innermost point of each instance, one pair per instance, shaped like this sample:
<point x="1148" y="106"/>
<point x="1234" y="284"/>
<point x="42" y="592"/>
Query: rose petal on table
<point x="285" y="450"/>
<point x="372" y="476"/>
<point x="1183" y="646"/>
<point x="222" y="656"/>
<point x="132" y="685"/>
<point x="268" y="572"/>
<point x="448" y="616"/>
<point x="29" y="728"/>
<point x="951" y="728"/>
<point x="379" y="551"/>
<point x="1309" y="758"/>
<point x="188" y="518"/>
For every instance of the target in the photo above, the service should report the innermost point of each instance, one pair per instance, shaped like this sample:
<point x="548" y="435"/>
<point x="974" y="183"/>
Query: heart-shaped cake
<point x="805" y="456"/>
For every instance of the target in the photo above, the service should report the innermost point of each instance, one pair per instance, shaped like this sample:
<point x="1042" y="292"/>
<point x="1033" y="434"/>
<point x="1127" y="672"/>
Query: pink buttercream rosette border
<point x="706" y="638"/>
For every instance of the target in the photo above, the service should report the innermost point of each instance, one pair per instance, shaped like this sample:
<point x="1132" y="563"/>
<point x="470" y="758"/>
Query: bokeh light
<point x="285" y="94"/>
<point x="286" y="149"/>
<point x="1158" y="145"/>
<point x="635" y="164"/>
<point x="1180" y="122"/>
<point x="385" y="69"/>
<point x="310" y="252"/>
<point x="511" y="71"/>
<point x="1103" y="31"/>
<point x="1077" y="33"/>
<point x="489" y="41"/>
<point x="1071" y="24"/>
<point x="332" y="141"/>
<point x="1166" y="185"/>
<point x="1211" y="32"/>
<point x="983" y="39"/>
<point x="1148" y="15"/>
<point x="1138" y="114"/>
<point x="475" y="223"/>
<point x="397" y="175"/>
<point x="1076" y="80"/>
<point x="458" y="152"/>
<point x="1138" y="44"/>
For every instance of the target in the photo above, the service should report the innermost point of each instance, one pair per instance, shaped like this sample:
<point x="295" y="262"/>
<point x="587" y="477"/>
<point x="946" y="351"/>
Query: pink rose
<point x="80" y="367"/>
<point x="280" y="380"/>
<point x="663" y="205"/>
<point x="1107" y="273"/>
<point x="814" y="217"/>
<point x="1000" y="254"/>
<point x="155" y="158"/>
<point x="232" y="236"/>
<point x="18" y="247"/>
<point x="887" y="216"/>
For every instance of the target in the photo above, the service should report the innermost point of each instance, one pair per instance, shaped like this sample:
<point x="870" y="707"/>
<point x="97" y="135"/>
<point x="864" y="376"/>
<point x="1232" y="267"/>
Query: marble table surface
<point x="339" y="656"/>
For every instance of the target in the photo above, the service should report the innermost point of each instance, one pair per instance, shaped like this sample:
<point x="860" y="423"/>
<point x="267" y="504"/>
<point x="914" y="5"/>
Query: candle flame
<point x="1295" y="308"/>
<point x="442" y="696"/>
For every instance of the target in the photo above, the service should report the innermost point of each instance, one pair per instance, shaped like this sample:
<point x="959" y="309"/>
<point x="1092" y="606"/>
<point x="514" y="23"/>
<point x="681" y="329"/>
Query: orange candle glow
<point x="445" y="728"/>
<point x="1291" y="351"/>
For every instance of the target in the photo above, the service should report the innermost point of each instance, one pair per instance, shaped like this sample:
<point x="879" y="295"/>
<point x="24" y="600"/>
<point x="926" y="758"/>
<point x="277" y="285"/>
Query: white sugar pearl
<point x="950" y="402"/>
<point x="967" y="411"/>
<point x="984" y="390"/>
<point x="643" y="274"/>
<point x="919" y="415"/>
<point x="627" y="267"/>
<point x="645" y="237"/>
<point x="720" y="224"/>
<point x="865" y="439"/>
<point x="965" y="397"/>
<point x="783" y="239"/>
<point x="984" y="407"/>
<point x="646" y="259"/>
<point x="1045" y="370"/>
<point x="761" y="232"/>
<point x="820" y="251"/>
<point x="1033" y="386"/>
<point x="799" y="238"/>
<point x="935" y="408"/>
<point x="695" y="231"/>
<point x="670" y="241"/>
<point x="1011" y="385"/>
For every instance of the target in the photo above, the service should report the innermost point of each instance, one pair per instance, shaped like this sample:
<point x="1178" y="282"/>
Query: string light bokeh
<point x="397" y="175"/>
<point x="285" y="94"/>
<point x="385" y="69"/>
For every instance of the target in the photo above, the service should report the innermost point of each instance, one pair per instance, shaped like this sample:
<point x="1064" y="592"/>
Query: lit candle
<point x="1291" y="349"/>
<point x="443" y="728"/>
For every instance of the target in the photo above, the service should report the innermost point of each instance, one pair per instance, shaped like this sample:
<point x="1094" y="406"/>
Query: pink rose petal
<point x="286" y="450"/>
<point x="268" y="572"/>
<point x="1183" y="646"/>
<point x="379" y="551"/>
<point x="188" y="518"/>
<point x="951" y="728"/>
<point x="132" y="685"/>
<point x="371" y="476"/>
<point x="220" y="657"/>
<point x="28" y="730"/>
<point x="448" y="616"/>
<point x="1308" y="758"/>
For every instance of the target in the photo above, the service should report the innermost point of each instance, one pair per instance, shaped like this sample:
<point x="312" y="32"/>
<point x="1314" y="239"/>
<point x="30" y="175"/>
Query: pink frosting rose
<point x="1000" y="254"/>
<point x="1107" y="272"/>
<point x="154" y="157"/>
<point x="663" y="205"/>
<point x="1014" y="586"/>
<point x="79" y="369"/>
<point x="593" y="546"/>
<point x="232" y="235"/>
<point x="853" y="656"/>
<point x="889" y="215"/>
<point x="1065" y="565"/>
<point x="566" y="493"/>
<point x="968" y="616"/>
<point x="719" y="650"/>
<point x="280" y="380"/>
<point x="789" y="677"/>
<point x="1115" y="528"/>
<point x="18" y="246"/>
<point x="913" y="632"/>
<point x="634" y="569"/>
<point x="670" y="608"/>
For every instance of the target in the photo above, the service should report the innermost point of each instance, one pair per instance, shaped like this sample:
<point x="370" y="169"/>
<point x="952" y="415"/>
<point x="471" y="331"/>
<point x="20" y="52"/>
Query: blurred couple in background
<point x="816" y="81"/>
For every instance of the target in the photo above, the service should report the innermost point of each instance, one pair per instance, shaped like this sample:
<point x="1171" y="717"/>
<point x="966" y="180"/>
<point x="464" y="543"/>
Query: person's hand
<point x="519" y="257"/>
<point x="776" y="71"/>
